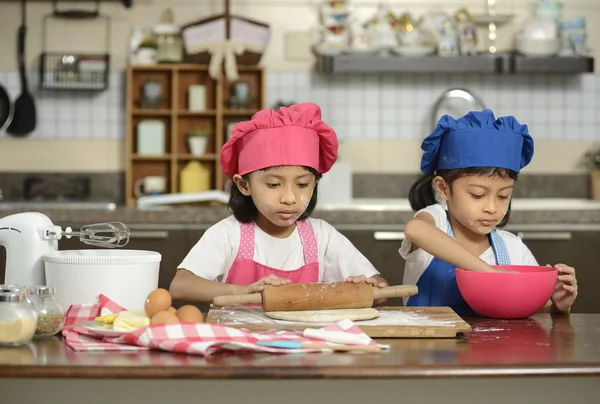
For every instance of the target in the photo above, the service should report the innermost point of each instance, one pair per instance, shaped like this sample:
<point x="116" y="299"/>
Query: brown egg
<point x="190" y="314"/>
<point x="172" y="310"/>
<point x="158" y="300"/>
<point x="164" y="317"/>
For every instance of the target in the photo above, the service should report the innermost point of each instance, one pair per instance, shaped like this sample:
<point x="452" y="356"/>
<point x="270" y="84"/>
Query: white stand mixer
<point x="28" y="236"/>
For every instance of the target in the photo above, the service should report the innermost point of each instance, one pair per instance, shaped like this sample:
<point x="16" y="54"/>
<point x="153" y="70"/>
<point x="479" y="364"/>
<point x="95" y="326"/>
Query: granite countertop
<point x="543" y="345"/>
<point x="384" y="213"/>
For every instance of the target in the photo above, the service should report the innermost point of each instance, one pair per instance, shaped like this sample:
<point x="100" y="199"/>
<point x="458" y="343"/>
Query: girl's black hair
<point x="422" y="194"/>
<point x="244" y="209"/>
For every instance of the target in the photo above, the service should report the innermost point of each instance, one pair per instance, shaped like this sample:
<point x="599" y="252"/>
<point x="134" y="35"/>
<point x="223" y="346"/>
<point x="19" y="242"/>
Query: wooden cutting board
<point x="393" y="322"/>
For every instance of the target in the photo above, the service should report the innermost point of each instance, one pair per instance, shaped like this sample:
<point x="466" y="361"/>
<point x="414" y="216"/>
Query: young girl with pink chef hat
<point x="275" y="161"/>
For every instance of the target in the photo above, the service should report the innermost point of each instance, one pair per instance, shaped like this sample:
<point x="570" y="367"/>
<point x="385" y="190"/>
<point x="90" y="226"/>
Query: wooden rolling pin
<point x="317" y="296"/>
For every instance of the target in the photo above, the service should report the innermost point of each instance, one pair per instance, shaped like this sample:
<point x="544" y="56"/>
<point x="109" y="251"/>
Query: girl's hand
<point x="376" y="280"/>
<point x="565" y="291"/>
<point x="267" y="280"/>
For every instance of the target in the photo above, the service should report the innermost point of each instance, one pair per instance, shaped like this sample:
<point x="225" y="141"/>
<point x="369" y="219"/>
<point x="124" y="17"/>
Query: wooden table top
<point x="541" y="345"/>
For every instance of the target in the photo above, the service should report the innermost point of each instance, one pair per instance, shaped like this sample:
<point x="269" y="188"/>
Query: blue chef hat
<point x="477" y="139"/>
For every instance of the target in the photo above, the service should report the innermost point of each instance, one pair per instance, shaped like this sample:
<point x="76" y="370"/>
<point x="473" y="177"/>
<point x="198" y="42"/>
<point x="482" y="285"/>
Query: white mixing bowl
<point x="124" y="276"/>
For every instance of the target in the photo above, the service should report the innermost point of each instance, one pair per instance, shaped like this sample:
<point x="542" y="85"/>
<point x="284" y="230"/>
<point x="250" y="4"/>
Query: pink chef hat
<point x="294" y="136"/>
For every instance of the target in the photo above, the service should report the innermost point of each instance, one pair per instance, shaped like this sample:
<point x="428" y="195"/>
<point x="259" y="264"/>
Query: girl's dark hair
<point x="422" y="194"/>
<point x="244" y="209"/>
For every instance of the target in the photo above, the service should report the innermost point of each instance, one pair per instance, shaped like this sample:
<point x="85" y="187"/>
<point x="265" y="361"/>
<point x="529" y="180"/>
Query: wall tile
<point x="358" y="106"/>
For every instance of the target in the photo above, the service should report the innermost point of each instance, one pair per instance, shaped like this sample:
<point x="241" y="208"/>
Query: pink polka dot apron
<point x="245" y="271"/>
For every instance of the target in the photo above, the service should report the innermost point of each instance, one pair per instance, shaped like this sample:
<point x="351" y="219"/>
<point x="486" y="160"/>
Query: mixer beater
<point x="106" y="234"/>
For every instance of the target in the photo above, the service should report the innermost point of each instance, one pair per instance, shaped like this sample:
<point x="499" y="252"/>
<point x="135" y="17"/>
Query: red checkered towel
<point x="191" y="338"/>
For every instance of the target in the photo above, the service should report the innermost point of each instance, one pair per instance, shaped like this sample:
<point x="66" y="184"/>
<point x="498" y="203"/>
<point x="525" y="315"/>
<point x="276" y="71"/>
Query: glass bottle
<point x="18" y="319"/>
<point x="169" y="47"/>
<point x="50" y="313"/>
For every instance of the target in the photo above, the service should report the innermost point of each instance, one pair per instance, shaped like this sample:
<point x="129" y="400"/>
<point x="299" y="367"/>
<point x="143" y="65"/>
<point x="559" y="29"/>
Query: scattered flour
<point x="407" y="318"/>
<point x="481" y="329"/>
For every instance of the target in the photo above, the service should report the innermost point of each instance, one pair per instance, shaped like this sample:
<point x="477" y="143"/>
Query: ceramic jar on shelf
<point x="334" y="30"/>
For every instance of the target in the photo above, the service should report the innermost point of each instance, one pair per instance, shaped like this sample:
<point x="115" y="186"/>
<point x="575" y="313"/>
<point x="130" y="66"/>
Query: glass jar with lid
<point x="50" y="313"/>
<point x="26" y="291"/>
<point x="18" y="319"/>
<point x="169" y="47"/>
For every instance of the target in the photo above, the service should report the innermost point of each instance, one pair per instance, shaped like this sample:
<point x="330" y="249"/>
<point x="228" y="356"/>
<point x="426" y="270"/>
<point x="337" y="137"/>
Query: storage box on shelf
<point x="168" y="100"/>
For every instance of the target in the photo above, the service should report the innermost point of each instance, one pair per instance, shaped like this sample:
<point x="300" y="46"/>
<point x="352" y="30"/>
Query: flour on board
<point x="408" y="318"/>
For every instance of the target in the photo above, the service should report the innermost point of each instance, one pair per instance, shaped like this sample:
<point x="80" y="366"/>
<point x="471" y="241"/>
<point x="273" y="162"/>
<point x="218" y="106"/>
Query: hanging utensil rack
<point x="73" y="70"/>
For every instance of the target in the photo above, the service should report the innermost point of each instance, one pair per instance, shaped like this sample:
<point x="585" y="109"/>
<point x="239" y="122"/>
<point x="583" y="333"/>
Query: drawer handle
<point x="545" y="235"/>
<point x="389" y="235"/>
<point x="148" y="234"/>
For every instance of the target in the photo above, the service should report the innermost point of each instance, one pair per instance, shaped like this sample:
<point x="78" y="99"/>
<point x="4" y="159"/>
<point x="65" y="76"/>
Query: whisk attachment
<point x="107" y="234"/>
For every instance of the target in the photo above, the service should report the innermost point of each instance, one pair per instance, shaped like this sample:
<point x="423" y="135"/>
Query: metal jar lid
<point x="44" y="290"/>
<point x="11" y="297"/>
<point x="24" y="290"/>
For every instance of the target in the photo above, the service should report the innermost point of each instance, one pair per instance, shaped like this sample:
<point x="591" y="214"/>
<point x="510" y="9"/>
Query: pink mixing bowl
<point x="507" y="295"/>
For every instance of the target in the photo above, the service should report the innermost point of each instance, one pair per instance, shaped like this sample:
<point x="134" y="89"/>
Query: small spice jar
<point x="50" y="313"/>
<point x="18" y="319"/>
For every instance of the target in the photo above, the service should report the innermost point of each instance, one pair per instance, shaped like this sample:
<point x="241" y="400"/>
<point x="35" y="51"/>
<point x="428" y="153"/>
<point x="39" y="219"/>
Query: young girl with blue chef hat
<point x="275" y="161"/>
<point x="470" y="166"/>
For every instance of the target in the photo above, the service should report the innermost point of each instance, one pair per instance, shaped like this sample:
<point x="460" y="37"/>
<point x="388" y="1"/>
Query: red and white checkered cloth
<point x="190" y="338"/>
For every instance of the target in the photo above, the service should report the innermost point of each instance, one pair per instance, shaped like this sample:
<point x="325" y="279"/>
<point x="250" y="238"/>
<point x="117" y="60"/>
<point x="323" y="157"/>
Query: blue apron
<point x="438" y="287"/>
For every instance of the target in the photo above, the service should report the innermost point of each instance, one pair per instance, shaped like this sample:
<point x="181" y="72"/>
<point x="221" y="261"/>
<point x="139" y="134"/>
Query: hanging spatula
<point x="24" y="118"/>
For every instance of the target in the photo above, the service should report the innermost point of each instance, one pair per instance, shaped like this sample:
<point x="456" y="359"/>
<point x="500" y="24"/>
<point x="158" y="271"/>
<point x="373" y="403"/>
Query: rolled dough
<point x="324" y="316"/>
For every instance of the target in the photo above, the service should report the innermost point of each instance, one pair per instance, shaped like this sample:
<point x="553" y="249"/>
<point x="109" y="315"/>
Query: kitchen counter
<point x="385" y="212"/>
<point x="497" y="352"/>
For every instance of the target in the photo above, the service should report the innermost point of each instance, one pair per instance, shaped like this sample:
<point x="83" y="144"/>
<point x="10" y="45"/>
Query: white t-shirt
<point x="418" y="260"/>
<point x="212" y="256"/>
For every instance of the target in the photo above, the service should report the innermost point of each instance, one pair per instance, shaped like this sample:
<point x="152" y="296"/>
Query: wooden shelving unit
<point x="179" y="120"/>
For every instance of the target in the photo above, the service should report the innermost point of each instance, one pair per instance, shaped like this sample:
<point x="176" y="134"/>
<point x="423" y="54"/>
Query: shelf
<point x="205" y="157"/>
<point x="190" y="67"/>
<point x="151" y="112"/>
<point x="184" y="112"/>
<point x="75" y="85"/>
<point x="239" y="112"/>
<point x="175" y="81"/>
<point x="372" y="63"/>
<point x="169" y="67"/>
<point x="162" y="157"/>
<point x="249" y="68"/>
<point x="554" y="64"/>
<point x="504" y="63"/>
